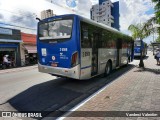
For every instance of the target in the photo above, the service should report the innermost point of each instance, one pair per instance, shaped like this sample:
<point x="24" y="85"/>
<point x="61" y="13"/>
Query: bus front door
<point x="119" y="52"/>
<point x="95" y="54"/>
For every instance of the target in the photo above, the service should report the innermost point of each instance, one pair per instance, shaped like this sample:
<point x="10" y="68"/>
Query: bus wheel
<point x="128" y="60"/>
<point x="108" y="69"/>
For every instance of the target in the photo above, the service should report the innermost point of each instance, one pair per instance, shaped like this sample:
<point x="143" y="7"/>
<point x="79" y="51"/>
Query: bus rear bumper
<point x="63" y="72"/>
<point x="137" y="54"/>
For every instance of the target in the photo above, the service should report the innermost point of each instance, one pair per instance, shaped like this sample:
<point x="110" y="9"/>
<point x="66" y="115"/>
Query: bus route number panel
<point x="62" y="53"/>
<point x="86" y="57"/>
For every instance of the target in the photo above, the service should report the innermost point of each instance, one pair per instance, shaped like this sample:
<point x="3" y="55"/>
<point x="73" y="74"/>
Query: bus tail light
<point x="74" y="61"/>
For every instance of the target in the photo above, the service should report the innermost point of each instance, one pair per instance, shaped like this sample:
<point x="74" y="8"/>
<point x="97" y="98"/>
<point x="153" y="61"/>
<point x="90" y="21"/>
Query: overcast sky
<point x="23" y="12"/>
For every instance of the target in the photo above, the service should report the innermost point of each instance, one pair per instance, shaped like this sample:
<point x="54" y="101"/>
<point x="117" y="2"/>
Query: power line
<point x="16" y="13"/>
<point x="25" y="15"/>
<point x="17" y="26"/>
<point x="22" y="17"/>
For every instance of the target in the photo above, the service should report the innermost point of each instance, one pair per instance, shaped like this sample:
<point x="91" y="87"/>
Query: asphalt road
<point x="29" y="90"/>
<point x="13" y="83"/>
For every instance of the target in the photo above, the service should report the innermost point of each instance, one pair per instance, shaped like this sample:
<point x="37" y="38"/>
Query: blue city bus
<point x="79" y="48"/>
<point x="138" y="45"/>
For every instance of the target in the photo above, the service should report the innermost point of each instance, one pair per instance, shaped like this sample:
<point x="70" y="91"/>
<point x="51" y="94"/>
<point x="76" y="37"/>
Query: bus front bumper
<point x="63" y="72"/>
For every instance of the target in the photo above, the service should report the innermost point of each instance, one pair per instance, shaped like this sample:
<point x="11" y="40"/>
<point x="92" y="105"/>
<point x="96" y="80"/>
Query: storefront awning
<point x="10" y="40"/>
<point x="31" y="49"/>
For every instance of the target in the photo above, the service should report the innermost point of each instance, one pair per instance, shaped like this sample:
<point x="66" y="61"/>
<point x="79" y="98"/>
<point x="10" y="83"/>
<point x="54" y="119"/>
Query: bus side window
<point x="103" y="39"/>
<point x="85" y="42"/>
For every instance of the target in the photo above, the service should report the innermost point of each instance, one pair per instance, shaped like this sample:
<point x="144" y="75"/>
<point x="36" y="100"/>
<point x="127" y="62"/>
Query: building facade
<point x="20" y="47"/>
<point x="106" y="12"/>
<point x="29" y="49"/>
<point x="10" y="42"/>
<point x="46" y="14"/>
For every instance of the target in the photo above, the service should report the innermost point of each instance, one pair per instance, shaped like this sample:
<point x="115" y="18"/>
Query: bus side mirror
<point x="38" y="19"/>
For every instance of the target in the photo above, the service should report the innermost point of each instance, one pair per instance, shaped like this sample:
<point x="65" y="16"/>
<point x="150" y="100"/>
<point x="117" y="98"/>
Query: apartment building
<point x="106" y="12"/>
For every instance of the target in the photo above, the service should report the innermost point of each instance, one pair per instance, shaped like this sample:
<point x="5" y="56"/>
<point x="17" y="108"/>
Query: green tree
<point x="157" y="14"/>
<point x="137" y="31"/>
<point x="157" y="10"/>
<point x="158" y="39"/>
<point x="149" y="25"/>
<point x="140" y="32"/>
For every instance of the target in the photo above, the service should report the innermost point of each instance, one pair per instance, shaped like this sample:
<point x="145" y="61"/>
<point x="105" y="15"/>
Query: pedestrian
<point x="157" y="56"/>
<point x="6" y="61"/>
<point x="13" y="62"/>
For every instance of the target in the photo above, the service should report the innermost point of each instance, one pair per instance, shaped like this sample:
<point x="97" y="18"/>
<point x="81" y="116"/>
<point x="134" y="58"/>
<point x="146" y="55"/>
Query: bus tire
<point x="108" y="69"/>
<point x="126" y="63"/>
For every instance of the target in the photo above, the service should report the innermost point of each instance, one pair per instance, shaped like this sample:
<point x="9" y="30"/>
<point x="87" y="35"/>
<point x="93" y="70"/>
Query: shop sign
<point x="5" y="31"/>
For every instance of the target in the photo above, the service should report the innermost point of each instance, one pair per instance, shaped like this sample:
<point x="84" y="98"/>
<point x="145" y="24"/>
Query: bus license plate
<point x="54" y="64"/>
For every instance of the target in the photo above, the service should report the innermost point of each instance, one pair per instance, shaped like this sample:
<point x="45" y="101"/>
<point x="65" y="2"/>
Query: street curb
<point x="17" y="69"/>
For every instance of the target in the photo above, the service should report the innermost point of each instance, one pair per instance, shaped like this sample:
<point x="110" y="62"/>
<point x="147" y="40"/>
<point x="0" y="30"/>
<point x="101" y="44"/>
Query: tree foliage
<point x="157" y="13"/>
<point x="148" y="27"/>
<point x="158" y="39"/>
<point x="139" y="31"/>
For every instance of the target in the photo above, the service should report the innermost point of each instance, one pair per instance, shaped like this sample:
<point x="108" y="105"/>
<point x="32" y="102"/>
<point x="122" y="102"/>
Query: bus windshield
<point x="56" y="29"/>
<point x="137" y="43"/>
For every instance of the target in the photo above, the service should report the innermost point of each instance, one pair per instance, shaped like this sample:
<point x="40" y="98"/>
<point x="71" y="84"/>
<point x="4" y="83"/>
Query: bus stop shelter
<point x="155" y="46"/>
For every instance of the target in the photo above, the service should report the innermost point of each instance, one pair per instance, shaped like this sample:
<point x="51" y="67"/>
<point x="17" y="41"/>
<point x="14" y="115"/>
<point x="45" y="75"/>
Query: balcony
<point x="110" y="16"/>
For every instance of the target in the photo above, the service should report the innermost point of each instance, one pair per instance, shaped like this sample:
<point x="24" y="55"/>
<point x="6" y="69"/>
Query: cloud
<point x="78" y="9"/>
<point x="57" y="2"/>
<point x="94" y="2"/>
<point x="132" y="12"/>
<point x="1" y="16"/>
<point x="84" y="7"/>
<point x="23" y="13"/>
<point x="25" y="19"/>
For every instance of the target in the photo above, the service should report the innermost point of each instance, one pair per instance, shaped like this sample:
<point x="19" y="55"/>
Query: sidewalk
<point x="134" y="91"/>
<point x="18" y="69"/>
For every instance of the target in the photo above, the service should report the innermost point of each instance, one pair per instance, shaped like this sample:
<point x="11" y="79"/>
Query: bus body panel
<point x="59" y="53"/>
<point x="138" y="46"/>
<point x="137" y="51"/>
<point x="124" y="58"/>
<point x="105" y="55"/>
<point x="63" y="72"/>
<point x="90" y="59"/>
<point x="62" y="58"/>
<point x="86" y="56"/>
